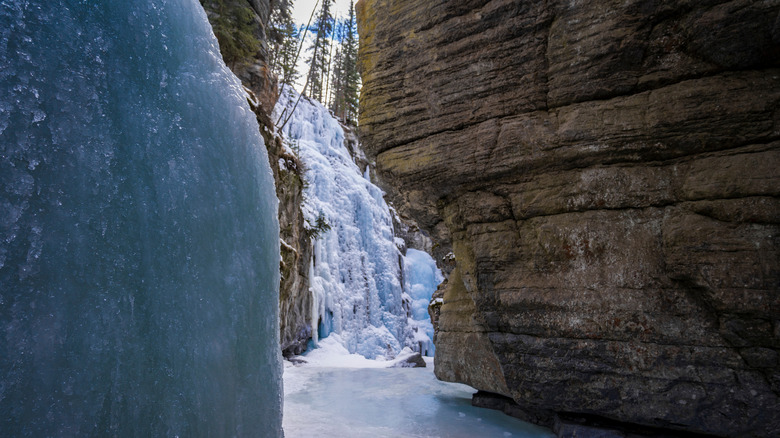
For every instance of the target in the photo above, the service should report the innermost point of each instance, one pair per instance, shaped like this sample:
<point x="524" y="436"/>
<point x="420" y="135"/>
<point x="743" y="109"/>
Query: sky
<point x="301" y="13"/>
<point x="302" y="9"/>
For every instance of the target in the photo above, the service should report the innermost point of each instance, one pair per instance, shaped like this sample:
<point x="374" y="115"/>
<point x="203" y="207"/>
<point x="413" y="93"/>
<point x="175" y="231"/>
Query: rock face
<point x="413" y="361"/>
<point x="295" y="303"/>
<point x="229" y="18"/>
<point x="605" y="174"/>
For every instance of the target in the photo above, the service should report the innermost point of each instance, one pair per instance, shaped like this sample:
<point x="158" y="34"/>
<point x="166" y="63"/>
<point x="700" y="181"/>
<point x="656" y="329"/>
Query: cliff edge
<point x="605" y="174"/>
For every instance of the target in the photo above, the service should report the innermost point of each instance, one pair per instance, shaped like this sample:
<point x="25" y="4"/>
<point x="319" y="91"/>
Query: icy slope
<point x="356" y="274"/>
<point x="139" y="258"/>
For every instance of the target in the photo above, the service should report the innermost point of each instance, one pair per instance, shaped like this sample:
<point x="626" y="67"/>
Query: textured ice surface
<point x="138" y="235"/>
<point x="356" y="275"/>
<point x="421" y="277"/>
<point x="382" y="402"/>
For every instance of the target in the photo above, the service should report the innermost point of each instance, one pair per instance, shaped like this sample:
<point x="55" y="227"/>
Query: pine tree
<point x="284" y="37"/>
<point x="324" y="79"/>
<point x="345" y="84"/>
<point x="351" y="74"/>
<point x="281" y="14"/>
<point x="337" y="77"/>
<point x="318" y="62"/>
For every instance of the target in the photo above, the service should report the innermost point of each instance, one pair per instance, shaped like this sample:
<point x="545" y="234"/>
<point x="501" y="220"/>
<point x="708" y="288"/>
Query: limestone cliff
<point x="606" y="174"/>
<point x="250" y="64"/>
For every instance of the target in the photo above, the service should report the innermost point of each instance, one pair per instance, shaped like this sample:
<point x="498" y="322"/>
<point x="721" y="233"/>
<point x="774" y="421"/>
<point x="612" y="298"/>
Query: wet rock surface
<point x="605" y="176"/>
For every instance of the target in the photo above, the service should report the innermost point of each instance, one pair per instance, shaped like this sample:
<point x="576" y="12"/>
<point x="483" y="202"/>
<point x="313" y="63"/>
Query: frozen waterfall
<point x="360" y="292"/>
<point x="421" y="278"/>
<point x="139" y="258"/>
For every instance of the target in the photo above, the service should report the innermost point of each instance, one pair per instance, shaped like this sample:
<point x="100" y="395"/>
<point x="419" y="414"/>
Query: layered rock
<point x="605" y="174"/>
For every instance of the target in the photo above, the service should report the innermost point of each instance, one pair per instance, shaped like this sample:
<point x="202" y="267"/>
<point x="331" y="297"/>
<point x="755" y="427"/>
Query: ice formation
<point x="323" y="400"/>
<point x="421" y="277"/>
<point x="138" y="238"/>
<point x="356" y="276"/>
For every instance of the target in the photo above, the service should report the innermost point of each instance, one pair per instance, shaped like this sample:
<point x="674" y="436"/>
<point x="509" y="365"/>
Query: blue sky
<point x="301" y="13"/>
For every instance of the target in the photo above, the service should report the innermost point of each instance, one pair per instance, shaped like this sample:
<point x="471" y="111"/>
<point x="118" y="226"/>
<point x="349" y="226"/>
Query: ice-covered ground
<point x="338" y="394"/>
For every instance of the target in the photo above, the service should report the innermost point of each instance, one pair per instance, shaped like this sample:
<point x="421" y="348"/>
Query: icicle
<point x="315" y="307"/>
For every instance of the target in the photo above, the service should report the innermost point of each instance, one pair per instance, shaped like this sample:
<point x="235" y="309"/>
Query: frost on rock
<point x="356" y="276"/>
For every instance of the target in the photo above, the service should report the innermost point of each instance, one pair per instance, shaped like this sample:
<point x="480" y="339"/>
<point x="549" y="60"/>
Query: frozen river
<point x="323" y="401"/>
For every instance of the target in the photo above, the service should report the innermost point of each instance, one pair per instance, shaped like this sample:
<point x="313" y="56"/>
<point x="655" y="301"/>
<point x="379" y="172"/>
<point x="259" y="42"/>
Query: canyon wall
<point x="605" y="175"/>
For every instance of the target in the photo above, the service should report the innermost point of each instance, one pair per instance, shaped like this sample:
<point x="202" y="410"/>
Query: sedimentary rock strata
<point x="605" y="174"/>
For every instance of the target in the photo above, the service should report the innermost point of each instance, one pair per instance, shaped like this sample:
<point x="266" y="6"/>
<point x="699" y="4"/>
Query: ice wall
<point x="421" y="278"/>
<point x="356" y="274"/>
<point x="139" y="259"/>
